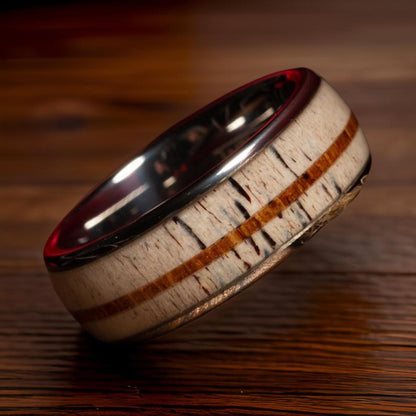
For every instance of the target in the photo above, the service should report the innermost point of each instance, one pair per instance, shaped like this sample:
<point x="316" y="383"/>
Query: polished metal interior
<point x="175" y="161"/>
<point x="179" y="166"/>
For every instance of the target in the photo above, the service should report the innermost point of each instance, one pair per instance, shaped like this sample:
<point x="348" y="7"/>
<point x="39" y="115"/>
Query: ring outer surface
<point x="228" y="235"/>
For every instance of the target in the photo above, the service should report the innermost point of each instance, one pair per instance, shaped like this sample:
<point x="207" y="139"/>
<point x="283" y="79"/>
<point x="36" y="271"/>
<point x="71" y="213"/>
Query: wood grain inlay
<point x="227" y="243"/>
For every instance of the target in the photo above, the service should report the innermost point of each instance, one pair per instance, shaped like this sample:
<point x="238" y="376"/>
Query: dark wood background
<point x="331" y="331"/>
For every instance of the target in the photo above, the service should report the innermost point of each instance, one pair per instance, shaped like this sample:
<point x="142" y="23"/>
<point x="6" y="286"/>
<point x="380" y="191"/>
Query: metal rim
<point x="306" y="84"/>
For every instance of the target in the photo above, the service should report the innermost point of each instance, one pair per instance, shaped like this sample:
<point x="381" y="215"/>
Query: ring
<point x="208" y="207"/>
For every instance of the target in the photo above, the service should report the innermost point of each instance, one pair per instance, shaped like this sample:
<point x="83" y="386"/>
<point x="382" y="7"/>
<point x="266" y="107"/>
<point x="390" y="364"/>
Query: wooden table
<point x="332" y="331"/>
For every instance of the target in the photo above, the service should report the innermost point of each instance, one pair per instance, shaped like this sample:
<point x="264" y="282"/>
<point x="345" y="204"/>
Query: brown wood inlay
<point x="244" y="231"/>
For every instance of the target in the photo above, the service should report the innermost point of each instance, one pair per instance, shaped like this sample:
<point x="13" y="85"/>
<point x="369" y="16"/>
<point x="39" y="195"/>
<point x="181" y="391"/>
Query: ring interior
<point x="205" y="142"/>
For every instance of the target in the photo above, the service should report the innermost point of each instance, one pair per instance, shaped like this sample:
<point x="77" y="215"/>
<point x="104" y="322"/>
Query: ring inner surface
<point x="201" y="144"/>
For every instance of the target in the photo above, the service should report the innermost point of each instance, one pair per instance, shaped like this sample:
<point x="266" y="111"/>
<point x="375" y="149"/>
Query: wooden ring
<point x="208" y="207"/>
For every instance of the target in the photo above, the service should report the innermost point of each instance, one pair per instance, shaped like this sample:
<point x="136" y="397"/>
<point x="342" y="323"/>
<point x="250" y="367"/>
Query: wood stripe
<point x="227" y="243"/>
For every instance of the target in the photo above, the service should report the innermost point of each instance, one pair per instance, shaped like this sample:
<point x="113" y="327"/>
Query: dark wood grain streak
<point x="280" y="158"/>
<point x="239" y="189"/>
<point x="331" y="331"/>
<point x="190" y="231"/>
<point x="244" y="231"/>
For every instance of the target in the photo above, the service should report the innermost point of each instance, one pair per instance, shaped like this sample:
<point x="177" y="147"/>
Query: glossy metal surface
<point x="183" y="163"/>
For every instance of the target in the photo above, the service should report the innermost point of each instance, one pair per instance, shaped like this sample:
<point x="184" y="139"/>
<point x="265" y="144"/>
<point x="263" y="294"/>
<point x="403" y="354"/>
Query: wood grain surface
<point x="331" y="331"/>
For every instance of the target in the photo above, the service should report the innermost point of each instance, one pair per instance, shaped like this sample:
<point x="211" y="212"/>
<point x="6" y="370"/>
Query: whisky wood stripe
<point x="227" y="243"/>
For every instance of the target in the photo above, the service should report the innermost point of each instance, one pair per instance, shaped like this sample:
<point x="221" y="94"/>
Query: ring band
<point x="208" y="207"/>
